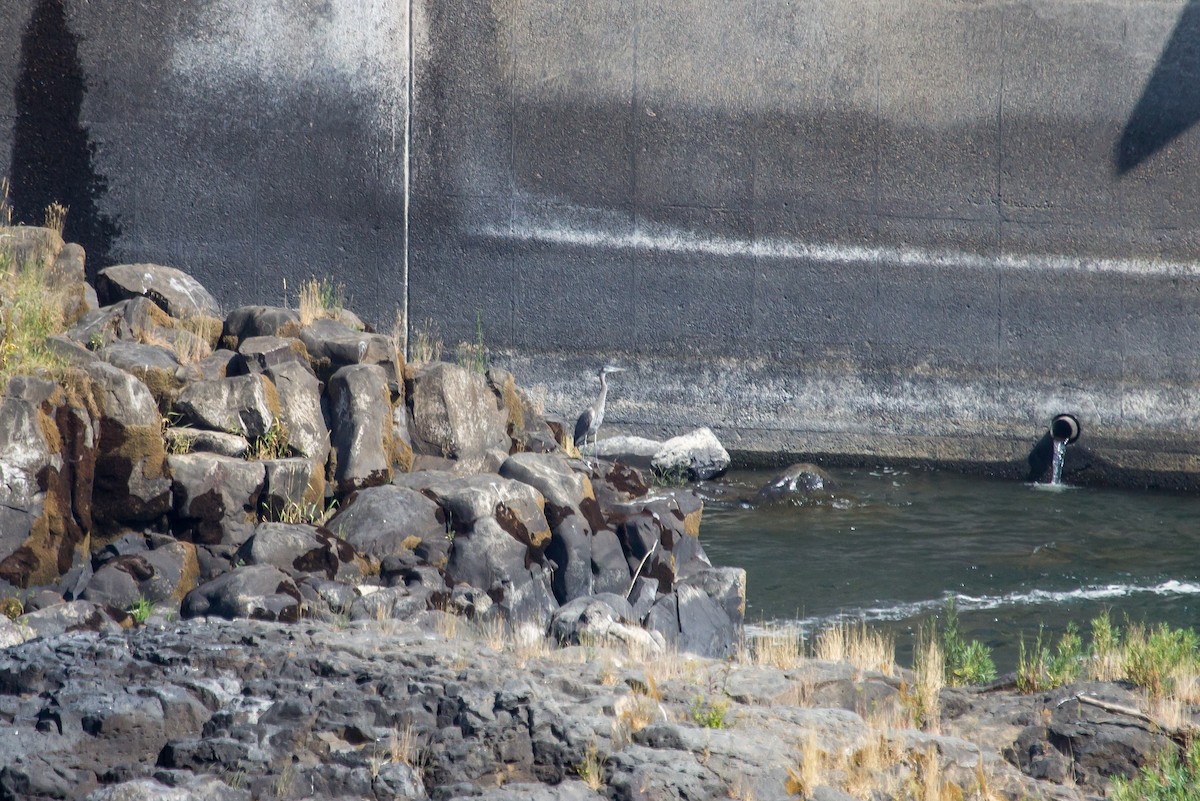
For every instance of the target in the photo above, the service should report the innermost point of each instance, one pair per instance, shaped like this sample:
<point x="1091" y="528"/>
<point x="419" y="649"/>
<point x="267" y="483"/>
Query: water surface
<point x="892" y="545"/>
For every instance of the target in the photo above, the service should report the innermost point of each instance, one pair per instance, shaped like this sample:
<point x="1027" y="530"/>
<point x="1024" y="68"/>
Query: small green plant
<point x="474" y="355"/>
<point x="141" y="609"/>
<point x="966" y="662"/>
<point x="674" y="476"/>
<point x="710" y="714"/>
<point x="1170" y="778"/>
<point x="295" y="513"/>
<point x="11" y="607"/>
<point x="273" y="444"/>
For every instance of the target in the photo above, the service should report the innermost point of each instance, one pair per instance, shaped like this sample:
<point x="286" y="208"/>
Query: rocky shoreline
<point x="256" y="554"/>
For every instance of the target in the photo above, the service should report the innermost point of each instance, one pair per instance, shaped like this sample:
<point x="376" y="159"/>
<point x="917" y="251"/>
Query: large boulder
<point x="603" y="618"/>
<point x="333" y="345"/>
<point x="156" y="366"/>
<point x="48" y="446"/>
<point x="587" y="554"/>
<point x="456" y="415"/>
<point x="180" y="295"/>
<point x="245" y="404"/>
<point x="299" y="549"/>
<point x="360" y="412"/>
<point x="389" y="521"/>
<point x="135" y="320"/>
<point x="216" y="498"/>
<point x="257" y="354"/>
<point x="500" y="536"/>
<point x="699" y="455"/>
<point x="293" y="486"/>
<point x="159" y="577"/>
<point x="688" y="619"/>
<point x="660" y="535"/>
<point x="259" y="592"/>
<point x="300" y="410"/>
<point x="798" y="484"/>
<point x="131" y="482"/>
<point x="259" y="321"/>
<point x="629" y="450"/>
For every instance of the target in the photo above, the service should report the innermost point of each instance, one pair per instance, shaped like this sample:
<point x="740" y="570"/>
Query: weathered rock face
<point x="500" y="535"/>
<point x="456" y="415"/>
<point x="131" y="485"/>
<point x="259" y="321"/>
<point x="300" y="410"/>
<point x="389" y="521"/>
<point x="333" y="345"/>
<point x="257" y="354"/>
<point x="137" y="319"/>
<point x="292" y="485"/>
<point x="661" y="534"/>
<point x="258" y="592"/>
<point x="585" y="550"/>
<point x="156" y="366"/>
<point x="175" y="291"/>
<point x="301" y="549"/>
<point x="245" y="404"/>
<point x="360" y="412"/>
<point x="312" y="711"/>
<point x="48" y="446"/>
<point x="216" y="498"/>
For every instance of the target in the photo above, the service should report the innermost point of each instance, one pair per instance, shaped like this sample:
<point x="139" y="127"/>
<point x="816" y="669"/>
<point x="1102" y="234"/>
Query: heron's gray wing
<point x="584" y="424"/>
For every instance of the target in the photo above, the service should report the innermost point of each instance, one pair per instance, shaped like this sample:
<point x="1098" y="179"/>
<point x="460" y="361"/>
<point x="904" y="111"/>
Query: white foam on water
<point x="905" y="611"/>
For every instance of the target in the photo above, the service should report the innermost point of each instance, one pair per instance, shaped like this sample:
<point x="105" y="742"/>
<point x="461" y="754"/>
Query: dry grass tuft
<point x="320" y="299"/>
<point x="858" y="645"/>
<point x="870" y="768"/>
<point x="55" y="218"/>
<point x="425" y="346"/>
<point x="591" y="769"/>
<point x="928" y="782"/>
<point x="809" y="771"/>
<point x="777" y="647"/>
<point x="404" y="746"/>
<point x="930" y="668"/>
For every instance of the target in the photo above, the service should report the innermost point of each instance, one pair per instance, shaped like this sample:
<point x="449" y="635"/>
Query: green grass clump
<point x="1170" y="778"/>
<point x="273" y="444"/>
<point x="710" y="714"/>
<point x="141" y="609"/>
<point x="1152" y="658"/>
<point x="30" y="311"/>
<point x="966" y="662"/>
<point x="1044" y="668"/>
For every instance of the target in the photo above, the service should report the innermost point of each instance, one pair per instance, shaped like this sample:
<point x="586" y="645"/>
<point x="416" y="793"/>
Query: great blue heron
<point x="589" y="422"/>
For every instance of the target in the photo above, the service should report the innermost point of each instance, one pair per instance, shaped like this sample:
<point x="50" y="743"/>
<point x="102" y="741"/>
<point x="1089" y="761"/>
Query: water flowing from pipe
<point x="1056" y="464"/>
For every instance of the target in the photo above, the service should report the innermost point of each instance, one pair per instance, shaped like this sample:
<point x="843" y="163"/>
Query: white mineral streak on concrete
<point x="667" y="240"/>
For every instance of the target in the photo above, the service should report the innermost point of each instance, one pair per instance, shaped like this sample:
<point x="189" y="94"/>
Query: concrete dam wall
<point x="855" y="229"/>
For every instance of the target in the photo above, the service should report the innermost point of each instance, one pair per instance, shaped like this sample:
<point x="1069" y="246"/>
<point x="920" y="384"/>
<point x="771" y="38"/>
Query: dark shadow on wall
<point x="1170" y="101"/>
<point x="52" y="156"/>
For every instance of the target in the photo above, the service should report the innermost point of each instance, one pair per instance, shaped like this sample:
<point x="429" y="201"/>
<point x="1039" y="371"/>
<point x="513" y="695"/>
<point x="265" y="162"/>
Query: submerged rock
<point x="798" y="484"/>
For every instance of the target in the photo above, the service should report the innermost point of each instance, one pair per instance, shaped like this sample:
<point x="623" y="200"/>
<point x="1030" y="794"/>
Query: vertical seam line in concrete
<point x="754" y="191"/>
<point x="510" y="7"/>
<point x="634" y="141"/>
<point x="1000" y="200"/>
<point x="408" y="109"/>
